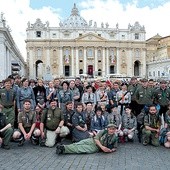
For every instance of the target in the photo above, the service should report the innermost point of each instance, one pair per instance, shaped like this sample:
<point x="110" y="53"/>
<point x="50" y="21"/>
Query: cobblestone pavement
<point x="129" y="156"/>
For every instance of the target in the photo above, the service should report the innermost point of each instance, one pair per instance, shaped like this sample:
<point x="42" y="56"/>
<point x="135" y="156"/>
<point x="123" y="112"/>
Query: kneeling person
<point x="51" y="125"/>
<point x="26" y="124"/>
<point x="105" y="140"/>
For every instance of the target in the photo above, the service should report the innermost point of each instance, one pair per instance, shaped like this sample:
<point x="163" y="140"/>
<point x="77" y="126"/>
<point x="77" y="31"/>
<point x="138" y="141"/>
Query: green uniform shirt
<point x="51" y="118"/>
<point x="161" y="96"/>
<point x="144" y="95"/>
<point x="152" y="121"/>
<point x="27" y="118"/>
<point x="7" y="97"/>
<point x="109" y="141"/>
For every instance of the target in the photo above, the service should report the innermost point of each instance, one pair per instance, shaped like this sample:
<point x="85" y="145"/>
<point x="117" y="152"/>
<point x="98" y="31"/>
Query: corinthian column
<point x="103" y="62"/>
<point x="117" y="64"/>
<point x="61" y="62"/>
<point x="85" y="61"/>
<point x="77" y="63"/>
<point x="72" y="61"/>
<point x="96" y="61"/>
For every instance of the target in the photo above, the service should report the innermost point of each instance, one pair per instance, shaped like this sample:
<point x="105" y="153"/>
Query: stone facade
<point x="11" y="60"/>
<point x="158" y="57"/>
<point x="77" y="47"/>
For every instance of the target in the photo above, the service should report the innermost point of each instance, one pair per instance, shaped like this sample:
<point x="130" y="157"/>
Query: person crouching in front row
<point x="129" y="124"/>
<point x="51" y="125"/>
<point x="26" y="124"/>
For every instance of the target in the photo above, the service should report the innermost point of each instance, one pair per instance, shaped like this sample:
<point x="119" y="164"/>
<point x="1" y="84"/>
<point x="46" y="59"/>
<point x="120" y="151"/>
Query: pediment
<point x="90" y="37"/>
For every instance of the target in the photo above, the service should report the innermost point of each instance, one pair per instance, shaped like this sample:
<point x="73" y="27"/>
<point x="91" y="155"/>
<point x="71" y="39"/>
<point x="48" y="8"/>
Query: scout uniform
<point x="89" y="97"/>
<point x="6" y="135"/>
<point x="79" y="119"/>
<point x="51" y="119"/>
<point x="162" y="97"/>
<point x="89" y="145"/>
<point x="64" y="97"/>
<point x="128" y="123"/>
<point x="144" y="96"/>
<point x="27" y="119"/>
<point x="7" y="98"/>
<point x="23" y="94"/>
<point x="152" y="121"/>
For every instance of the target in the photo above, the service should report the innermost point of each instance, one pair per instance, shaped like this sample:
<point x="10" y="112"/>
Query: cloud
<point x="17" y="14"/>
<point x="112" y="11"/>
<point x="155" y="20"/>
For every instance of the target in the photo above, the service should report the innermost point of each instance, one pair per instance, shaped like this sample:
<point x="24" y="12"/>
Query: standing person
<point x="151" y="128"/>
<point x="40" y="93"/>
<point x="78" y="84"/>
<point x="89" y="113"/>
<point x="75" y="91"/>
<point x="123" y="98"/>
<point x="65" y="95"/>
<point x="101" y="95"/>
<point x="162" y="97"/>
<point x="144" y="96"/>
<point x="6" y="131"/>
<point x="80" y="131"/>
<point x="105" y="140"/>
<point x="7" y="101"/>
<point x="51" y="93"/>
<point x="132" y="89"/>
<point x="129" y="124"/>
<point x="89" y="96"/>
<point x="112" y="95"/>
<point x="51" y="125"/>
<point x="25" y="92"/>
<point x="26" y="125"/>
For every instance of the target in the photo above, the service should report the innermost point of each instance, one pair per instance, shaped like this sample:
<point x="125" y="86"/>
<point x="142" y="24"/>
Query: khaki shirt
<point x="51" y="118"/>
<point x="27" y="118"/>
<point x="152" y="121"/>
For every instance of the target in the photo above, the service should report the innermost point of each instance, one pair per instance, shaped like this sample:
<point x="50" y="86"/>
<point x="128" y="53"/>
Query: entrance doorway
<point x="90" y="69"/>
<point x="137" y="68"/>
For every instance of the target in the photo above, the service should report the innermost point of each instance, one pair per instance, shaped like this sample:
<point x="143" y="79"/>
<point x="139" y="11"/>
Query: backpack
<point x="2" y="120"/>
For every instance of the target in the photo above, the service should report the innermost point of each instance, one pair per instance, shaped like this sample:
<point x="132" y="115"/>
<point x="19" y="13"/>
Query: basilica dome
<point x="74" y="20"/>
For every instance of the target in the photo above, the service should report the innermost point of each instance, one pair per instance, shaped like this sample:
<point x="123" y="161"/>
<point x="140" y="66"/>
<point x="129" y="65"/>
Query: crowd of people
<point x="94" y="116"/>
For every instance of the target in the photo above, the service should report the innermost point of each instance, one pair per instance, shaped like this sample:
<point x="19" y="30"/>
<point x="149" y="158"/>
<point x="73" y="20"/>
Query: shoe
<point x="34" y="140"/>
<point x="145" y="143"/>
<point x="7" y="147"/>
<point x="60" y="149"/>
<point x="21" y="143"/>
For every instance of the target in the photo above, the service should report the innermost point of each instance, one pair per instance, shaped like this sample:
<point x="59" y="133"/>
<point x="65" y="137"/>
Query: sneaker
<point x="60" y="149"/>
<point x="7" y="147"/>
<point x="145" y="143"/>
<point x="21" y="143"/>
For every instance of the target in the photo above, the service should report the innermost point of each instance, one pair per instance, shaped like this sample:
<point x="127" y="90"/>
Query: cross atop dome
<point x="75" y="10"/>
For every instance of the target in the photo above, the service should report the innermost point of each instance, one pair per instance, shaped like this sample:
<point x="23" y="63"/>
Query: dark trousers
<point x="163" y="110"/>
<point x="134" y="106"/>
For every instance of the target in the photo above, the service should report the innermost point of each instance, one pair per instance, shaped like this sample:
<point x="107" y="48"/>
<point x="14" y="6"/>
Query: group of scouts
<point x="93" y="116"/>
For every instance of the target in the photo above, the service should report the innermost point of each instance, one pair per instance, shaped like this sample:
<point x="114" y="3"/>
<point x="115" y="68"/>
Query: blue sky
<point x="152" y="14"/>
<point x="64" y="6"/>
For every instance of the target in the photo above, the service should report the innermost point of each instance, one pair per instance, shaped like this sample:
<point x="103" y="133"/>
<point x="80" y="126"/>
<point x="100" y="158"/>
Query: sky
<point x="153" y="14"/>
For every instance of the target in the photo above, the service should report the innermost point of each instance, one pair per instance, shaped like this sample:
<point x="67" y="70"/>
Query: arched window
<point x="99" y="72"/>
<point x="81" y="71"/>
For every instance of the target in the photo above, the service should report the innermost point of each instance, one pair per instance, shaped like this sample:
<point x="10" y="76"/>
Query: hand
<point x="57" y="130"/>
<point x="19" y="110"/>
<point x="28" y="135"/>
<point x="129" y="131"/>
<point x="69" y="124"/>
<point x="105" y="149"/>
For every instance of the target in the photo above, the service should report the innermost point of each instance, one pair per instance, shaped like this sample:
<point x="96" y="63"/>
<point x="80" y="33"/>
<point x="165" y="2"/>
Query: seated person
<point x="129" y="124"/>
<point x="51" y="125"/>
<point x="98" y="122"/>
<point x="80" y="131"/>
<point x="106" y="141"/>
<point x="166" y="129"/>
<point x="150" y="132"/>
<point x="5" y="132"/>
<point x="26" y="124"/>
